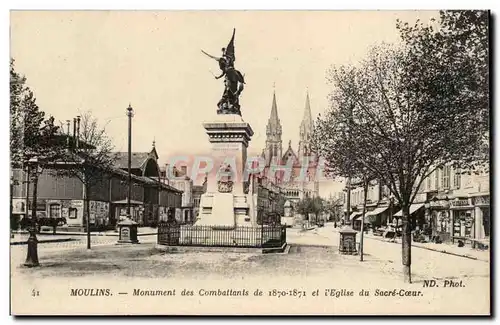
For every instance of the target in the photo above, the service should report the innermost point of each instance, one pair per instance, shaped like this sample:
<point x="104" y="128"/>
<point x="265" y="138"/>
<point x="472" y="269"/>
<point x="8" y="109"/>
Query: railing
<point x="267" y="236"/>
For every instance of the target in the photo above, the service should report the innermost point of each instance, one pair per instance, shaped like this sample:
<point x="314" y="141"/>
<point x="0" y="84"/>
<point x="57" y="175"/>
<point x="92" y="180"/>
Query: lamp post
<point x="130" y="114"/>
<point x="32" y="254"/>
<point x="348" y="200"/>
<point x="13" y="182"/>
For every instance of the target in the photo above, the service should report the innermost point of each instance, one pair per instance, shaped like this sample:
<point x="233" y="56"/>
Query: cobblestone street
<point x="311" y="263"/>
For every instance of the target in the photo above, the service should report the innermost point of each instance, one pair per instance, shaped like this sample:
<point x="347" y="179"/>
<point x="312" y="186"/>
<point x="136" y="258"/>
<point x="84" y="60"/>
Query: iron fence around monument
<point x="267" y="236"/>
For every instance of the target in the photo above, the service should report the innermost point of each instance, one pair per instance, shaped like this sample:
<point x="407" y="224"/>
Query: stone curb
<point x="202" y="249"/>
<point x="436" y="250"/>
<point x="85" y="234"/>
<point x="58" y="240"/>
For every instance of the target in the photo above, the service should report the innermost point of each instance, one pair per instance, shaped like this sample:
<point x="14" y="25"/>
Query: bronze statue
<point x="233" y="80"/>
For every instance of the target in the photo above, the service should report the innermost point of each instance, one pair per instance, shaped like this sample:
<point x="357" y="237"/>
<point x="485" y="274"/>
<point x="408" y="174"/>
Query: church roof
<point x="290" y="153"/>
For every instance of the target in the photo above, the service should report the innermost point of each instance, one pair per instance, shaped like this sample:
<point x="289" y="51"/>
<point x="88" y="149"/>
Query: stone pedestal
<point x="347" y="245"/>
<point x="226" y="203"/>
<point x="127" y="230"/>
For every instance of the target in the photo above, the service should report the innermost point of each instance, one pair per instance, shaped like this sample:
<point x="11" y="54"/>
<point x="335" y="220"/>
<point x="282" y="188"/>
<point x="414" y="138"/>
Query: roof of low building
<point x="138" y="159"/>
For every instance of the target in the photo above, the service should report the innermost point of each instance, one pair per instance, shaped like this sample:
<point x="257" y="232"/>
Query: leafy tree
<point x="333" y="206"/>
<point x="89" y="160"/>
<point x="33" y="143"/>
<point x="401" y="113"/>
<point x="317" y="206"/>
<point x="17" y="90"/>
<point x="303" y="206"/>
<point x="311" y="205"/>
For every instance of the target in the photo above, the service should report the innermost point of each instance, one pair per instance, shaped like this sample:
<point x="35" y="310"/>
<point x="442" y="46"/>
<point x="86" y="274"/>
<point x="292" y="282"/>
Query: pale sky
<point x="103" y="60"/>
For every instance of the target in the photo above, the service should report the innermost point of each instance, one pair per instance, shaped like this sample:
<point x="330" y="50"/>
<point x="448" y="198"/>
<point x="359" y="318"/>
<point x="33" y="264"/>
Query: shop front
<point x="379" y="216"/>
<point x="482" y="222"/>
<point x="352" y="218"/>
<point x="462" y="214"/>
<point x="438" y="220"/>
<point x="417" y="216"/>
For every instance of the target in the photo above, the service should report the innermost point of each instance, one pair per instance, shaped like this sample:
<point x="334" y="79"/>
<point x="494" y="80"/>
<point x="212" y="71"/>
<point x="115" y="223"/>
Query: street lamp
<point x="130" y="114"/>
<point x="32" y="254"/>
<point x="13" y="182"/>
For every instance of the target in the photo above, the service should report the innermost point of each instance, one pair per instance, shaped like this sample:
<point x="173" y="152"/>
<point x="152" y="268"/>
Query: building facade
<point x="302" y="162"/>
<point x="182" y="182"/>
<point x="450" y="204"/>
<point x="63" y="197"/>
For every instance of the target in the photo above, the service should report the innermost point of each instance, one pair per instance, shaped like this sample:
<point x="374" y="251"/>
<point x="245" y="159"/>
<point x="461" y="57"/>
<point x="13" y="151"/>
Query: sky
<point x="102" y="61"/>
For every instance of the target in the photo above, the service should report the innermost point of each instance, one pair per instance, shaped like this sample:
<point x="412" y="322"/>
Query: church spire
<point x="306" y="129"/>
<point x="273" y="133"/>
<point x="307" y="111"/>
<point x="273" y="119"/>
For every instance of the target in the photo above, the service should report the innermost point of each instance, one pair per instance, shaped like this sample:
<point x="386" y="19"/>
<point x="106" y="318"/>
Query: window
<point x="54" y="211"/>
<point x="436" y="179"/>
<point x="446" y="177"/>
<point x="73" y="213"/>
<point x="457" y="178"/>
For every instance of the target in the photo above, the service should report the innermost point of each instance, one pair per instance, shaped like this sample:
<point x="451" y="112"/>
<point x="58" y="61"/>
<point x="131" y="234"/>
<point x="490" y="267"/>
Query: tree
<point x="302" y="207"/>
<point x="17" y="91"/>
<point x="403" y="112"/>
<point x="89" y="160"/>
<point x="308" y="205"/>
<point x="33" y="143"/>
<point x="333" y="206"/>
<point x="450" y="62"/>
<point x="317" y="206"/>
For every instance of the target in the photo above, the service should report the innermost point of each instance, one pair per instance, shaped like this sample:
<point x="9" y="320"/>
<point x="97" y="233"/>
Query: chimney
<point x="167" y="166"/>
<point x="74" y="131"/>
<point x="77" y="131"/>
<point x="183" y="170"/>
<point x="67" y="133"/>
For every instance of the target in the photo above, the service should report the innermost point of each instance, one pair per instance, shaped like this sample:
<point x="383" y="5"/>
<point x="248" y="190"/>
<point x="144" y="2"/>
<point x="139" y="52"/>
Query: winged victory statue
<point x="233" y="80"/>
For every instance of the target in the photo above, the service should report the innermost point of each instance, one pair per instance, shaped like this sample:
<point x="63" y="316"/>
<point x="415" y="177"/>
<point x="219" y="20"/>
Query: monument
<point x="226" y="203"/>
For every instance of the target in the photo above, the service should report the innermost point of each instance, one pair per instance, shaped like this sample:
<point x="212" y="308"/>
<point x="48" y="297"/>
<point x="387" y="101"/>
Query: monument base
<point x="127" y="230"/>
<point x="121" y="242"/>
<point x="224" y="211"/>
<point x="227" y="204"/>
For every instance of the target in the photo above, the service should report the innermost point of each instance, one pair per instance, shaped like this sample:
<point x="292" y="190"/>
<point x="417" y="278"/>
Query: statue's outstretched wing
<point x="230" y="48"/>
<point x="210" y="56"/>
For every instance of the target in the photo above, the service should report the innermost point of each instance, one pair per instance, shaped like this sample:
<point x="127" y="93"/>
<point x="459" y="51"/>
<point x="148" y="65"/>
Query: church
<point x="302" y="181"/>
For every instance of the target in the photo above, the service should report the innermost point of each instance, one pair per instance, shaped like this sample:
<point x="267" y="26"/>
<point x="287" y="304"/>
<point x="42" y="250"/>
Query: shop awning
<point x="354" y="215"/>
<point x="376" y="211"/>
<point x="134" y="202"/>
<point x="367" y="217"/>
<point x="413" y="209"/>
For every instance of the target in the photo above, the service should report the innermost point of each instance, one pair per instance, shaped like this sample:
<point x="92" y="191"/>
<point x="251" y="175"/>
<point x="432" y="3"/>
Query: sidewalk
<point x="451" y="249"/>
<point x="22" y="239"/>
<point x="141" y="231"/>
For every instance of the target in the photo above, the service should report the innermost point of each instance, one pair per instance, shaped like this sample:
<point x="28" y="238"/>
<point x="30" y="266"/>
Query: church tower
<point x="273" y="134"/>
<point x="306" y="129"/>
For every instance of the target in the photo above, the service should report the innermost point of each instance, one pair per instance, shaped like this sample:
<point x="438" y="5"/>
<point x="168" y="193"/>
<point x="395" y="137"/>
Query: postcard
<point x="250" y="163"/>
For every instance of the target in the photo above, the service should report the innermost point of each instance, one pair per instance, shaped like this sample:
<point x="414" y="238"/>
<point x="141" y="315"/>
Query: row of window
<point x="441" y="179"/>
<point x="358" y="196"/>
<point x="55" y="211"/>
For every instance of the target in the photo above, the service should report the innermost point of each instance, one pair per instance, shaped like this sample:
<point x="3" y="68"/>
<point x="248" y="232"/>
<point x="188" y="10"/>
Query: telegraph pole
<point x="348" y="200"/>
<point x="130" y="114"/>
